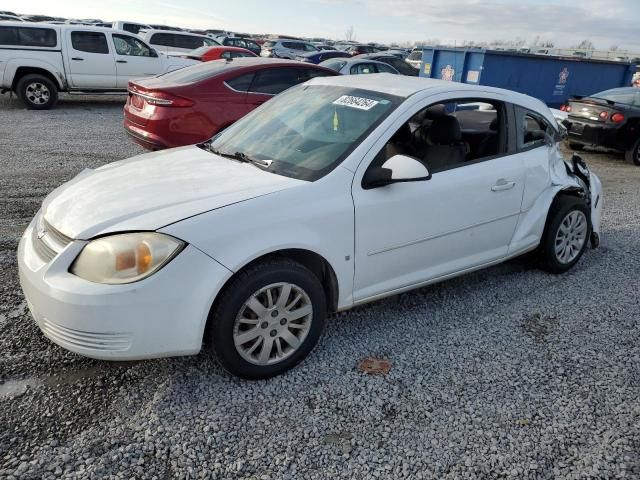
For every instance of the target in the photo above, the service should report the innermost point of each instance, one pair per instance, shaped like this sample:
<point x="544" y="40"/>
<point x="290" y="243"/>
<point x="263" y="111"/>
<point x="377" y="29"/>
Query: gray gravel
<point x="505" y="373"/>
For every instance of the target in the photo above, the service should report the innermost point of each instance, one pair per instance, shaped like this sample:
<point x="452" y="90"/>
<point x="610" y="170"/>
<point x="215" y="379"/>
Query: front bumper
<point x="162" y="315"/>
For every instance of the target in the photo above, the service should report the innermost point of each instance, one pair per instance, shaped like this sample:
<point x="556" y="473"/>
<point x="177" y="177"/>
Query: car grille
<point x="47" y="240"/>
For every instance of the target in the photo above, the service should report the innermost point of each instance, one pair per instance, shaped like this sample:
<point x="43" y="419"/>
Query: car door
<point x="537" y="147"/>
<point x="90" y="60"/>
<point x="462" y="218"/>
<point x="134" y="58"/>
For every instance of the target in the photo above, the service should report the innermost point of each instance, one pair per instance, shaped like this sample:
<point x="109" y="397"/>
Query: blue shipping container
<point x="551" y="79"/>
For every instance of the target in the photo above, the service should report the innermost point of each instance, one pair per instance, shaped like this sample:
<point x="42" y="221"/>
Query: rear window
<point x="28" y="37"/>
<point x="628" y="96"/>
<point x="334" y="65"/>
<point x="133" y="27"/>
<point x="194" y="73"/>
<point x="181" y="41"/>
<point x="415" y="55"/>
<point x="269" y="44"/>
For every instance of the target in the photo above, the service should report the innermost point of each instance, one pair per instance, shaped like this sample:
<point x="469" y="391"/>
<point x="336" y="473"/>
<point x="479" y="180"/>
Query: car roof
<point x="406" y="86"/>
<point x="176" y="32"/>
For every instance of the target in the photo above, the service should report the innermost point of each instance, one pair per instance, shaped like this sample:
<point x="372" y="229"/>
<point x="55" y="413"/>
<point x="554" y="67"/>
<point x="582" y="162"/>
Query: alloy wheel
<point x="37" y="93"/>
<point x="571" y="236"/>
<point x="273" y="323"/>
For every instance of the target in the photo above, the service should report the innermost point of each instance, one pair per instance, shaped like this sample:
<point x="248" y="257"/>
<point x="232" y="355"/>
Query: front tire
<point x="566" y="234"/>
<point x="633" y="154"/>
<point x="268" y="319"/>
<point x="37" y="92"/>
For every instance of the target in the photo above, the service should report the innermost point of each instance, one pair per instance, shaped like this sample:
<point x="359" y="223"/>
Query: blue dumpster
<point x="551" y="79"/>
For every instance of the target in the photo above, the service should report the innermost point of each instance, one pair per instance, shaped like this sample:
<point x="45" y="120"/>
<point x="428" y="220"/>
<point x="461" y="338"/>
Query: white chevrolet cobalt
<point x="335" y="193"/>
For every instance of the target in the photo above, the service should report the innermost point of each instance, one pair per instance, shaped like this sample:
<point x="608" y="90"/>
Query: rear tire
<point x="257" y="329"/>
<point x="37" y="92"/>
<point x="566" y="234"/>
<point x="633" y="154"/>
<point x="576" y="146"/>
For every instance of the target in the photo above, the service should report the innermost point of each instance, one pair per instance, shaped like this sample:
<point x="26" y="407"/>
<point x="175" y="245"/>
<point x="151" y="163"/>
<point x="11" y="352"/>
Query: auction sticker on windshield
<point x="356" y="102"/>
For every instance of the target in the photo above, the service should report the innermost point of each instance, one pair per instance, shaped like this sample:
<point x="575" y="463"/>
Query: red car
<point x="206" y="54"/>
<point x="192" y="104"/>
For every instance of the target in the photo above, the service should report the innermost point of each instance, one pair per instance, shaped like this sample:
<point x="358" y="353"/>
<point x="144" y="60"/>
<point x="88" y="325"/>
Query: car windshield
<point x="629" y="96"/>
<point x="307" y="131"/>
<point x="334" y="64"/>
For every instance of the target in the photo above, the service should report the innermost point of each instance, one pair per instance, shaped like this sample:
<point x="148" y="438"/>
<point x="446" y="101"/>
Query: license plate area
<point x="136" y="101"/>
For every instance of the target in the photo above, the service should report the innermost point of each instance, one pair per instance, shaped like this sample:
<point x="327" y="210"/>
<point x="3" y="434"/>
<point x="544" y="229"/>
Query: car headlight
<point x="125" y="258"/>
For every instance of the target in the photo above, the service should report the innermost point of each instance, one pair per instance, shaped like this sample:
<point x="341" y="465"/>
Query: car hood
<point x="153" y="190"/>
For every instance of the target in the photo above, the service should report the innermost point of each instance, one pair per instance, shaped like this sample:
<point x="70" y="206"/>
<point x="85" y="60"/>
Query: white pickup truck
<point x="39" y="60"/>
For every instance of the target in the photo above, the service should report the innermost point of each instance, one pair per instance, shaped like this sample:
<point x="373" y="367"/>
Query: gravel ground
<point x="507" y="372"/>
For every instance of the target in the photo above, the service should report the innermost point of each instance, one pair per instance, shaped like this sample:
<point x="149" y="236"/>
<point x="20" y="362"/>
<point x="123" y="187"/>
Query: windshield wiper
<point x="243" y="157"/>
<point x="239" y="156"/>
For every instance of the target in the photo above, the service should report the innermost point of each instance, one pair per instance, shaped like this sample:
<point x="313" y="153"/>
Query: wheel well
<point x="22" y="71"/>
<point x="314" y="262"/>
<point x="631" y="132"/>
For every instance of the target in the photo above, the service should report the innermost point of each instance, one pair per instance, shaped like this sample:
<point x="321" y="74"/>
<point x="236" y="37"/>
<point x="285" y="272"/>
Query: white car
<point x="171" y="41"/>
<point x="39" y="60"/>
<point x="335" y="193"/>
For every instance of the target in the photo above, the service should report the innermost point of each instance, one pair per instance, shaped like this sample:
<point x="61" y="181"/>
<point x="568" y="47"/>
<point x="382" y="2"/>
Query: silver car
<point x="285" y="48"/>
<point x="357" y="66"/>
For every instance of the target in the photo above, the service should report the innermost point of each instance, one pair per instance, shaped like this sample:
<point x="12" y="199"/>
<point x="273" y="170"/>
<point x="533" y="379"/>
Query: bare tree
<point x="614" y="47"/>
<point x="547" y="44"/>
<point x="350" y="34"/>
<point x="585" y="45"/>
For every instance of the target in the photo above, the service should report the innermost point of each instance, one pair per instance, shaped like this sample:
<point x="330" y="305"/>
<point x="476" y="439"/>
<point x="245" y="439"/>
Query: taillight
<point x="603" y="115"/>
<point x="565" y="108"/>
<point x="617" y="117"/>
<point x="166" y="99"/>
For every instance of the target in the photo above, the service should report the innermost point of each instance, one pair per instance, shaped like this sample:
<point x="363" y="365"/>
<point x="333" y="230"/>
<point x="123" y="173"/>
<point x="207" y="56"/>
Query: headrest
<point x="445" y="131"/>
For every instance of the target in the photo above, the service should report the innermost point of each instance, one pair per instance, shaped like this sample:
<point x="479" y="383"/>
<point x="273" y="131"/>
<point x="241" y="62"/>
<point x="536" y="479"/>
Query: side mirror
<point x="397" y="169"/>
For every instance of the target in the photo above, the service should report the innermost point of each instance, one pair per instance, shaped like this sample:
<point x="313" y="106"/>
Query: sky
<point x="606" y="23"/>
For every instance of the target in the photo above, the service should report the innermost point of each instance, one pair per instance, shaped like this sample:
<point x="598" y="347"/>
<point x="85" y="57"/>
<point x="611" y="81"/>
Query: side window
<point x="310" y="48"/>
<point x="164" y="39"/>
<point x="227" y="55"/>
<point x="92" y="42"/>
<point x="363" y="68"/>
<point x="28" y="37"/>
<point x="275" y="80"/>
<point x="384" y="68"/>
<point x="290" y="45"/>
<point x="241" y="83"/>
<point x="126" y="45"/>
<point x="451" y="134"/>
<point x="533" y="130"/>
<point x="312" y="73"/>
<point x="131" y="27"/>
<point x="239" y="55"/>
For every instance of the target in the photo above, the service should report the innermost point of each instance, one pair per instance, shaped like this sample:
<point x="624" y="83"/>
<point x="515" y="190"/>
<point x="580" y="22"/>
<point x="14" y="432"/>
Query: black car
<point x="400" y="65"/>
<point x="240" y="42"/>
<point x="609" y="119"/>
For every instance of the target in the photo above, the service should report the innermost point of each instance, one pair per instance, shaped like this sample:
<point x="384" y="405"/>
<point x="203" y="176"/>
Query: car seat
<point x="445" y="147"/>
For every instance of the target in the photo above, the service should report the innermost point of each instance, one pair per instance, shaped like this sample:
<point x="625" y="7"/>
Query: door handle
<point x="77" y="59"/>
<point x="502" y="184"/>
<point x="121" y="61"/>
